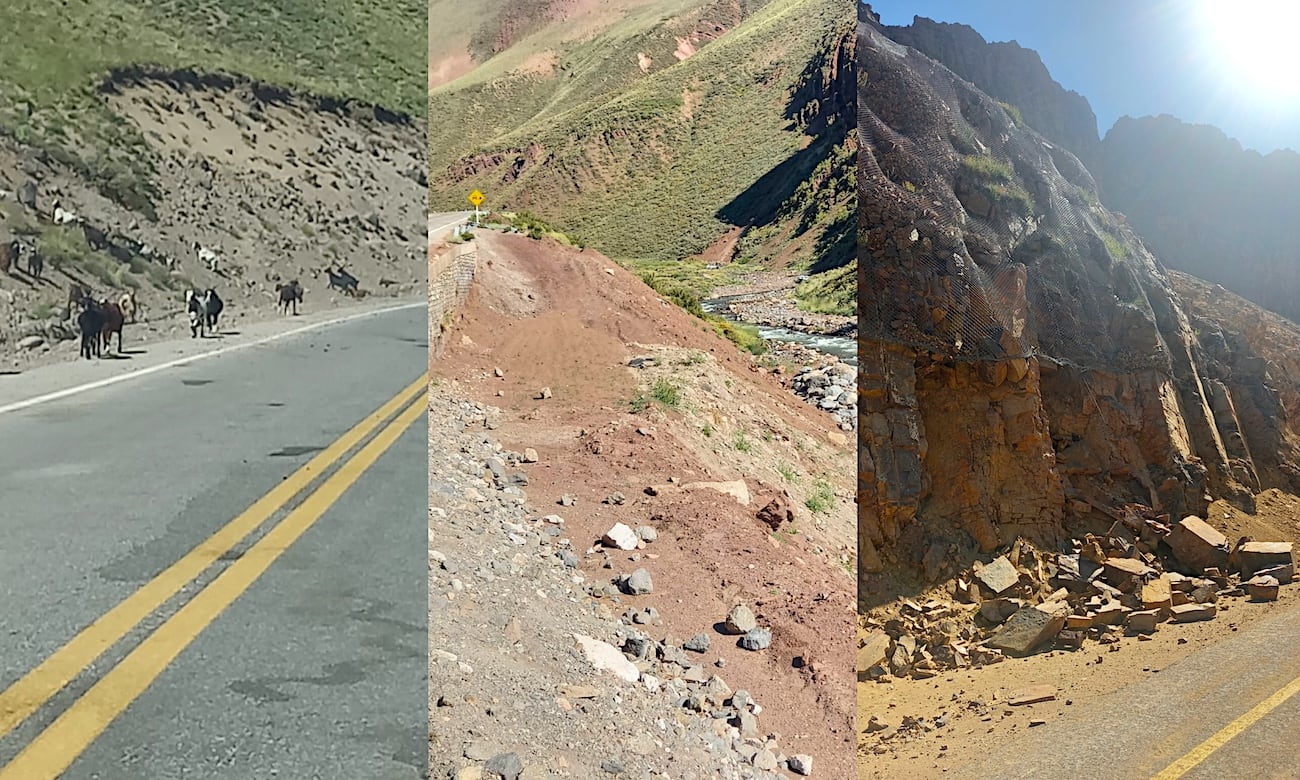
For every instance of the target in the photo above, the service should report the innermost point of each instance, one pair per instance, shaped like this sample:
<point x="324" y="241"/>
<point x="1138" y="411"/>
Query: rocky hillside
<point x="1010" y="74"/>
<point x="1200" y="202"/>
<point x="1027" y="361"/>
<point x="1207" y="206"/>
<point x="280" y="163"/>
<point x="716" y="130"/>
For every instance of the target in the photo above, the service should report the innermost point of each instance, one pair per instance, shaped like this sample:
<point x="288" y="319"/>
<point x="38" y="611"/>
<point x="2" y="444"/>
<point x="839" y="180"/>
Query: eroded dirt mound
<point x="278" y="186"/>
<point x="620" y="443"/>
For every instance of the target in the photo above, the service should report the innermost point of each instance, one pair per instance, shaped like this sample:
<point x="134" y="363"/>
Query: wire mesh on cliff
<point x="981" y="241"/>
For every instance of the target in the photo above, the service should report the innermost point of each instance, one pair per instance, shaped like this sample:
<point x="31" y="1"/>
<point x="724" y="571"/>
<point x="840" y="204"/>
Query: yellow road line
<point x="24" y="697"/>
<point x="1202" y="751"/>
<point x="54" y="749"/>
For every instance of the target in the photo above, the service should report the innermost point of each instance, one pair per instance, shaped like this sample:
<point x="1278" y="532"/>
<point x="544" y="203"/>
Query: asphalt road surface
<point x="200" y="578"/>
<point x="1228" y="710"/>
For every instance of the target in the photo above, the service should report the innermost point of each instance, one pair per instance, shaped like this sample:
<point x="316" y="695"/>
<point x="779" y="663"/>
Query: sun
<point x="1254" y="43"/>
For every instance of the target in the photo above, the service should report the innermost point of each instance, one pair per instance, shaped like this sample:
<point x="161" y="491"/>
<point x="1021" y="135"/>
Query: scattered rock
<point x="543" y="394"/>
<point x="507" y="766"/>
<point x="757" y="639"/>
<point x="606" y="657"/>
<point x="620" y="536"/>
<point x="530" y="455"/>
<point x="698" y="643"/>
<point x="638" y="583"/>
<point x="646" y="533"/>
<point x="740" y="620"/>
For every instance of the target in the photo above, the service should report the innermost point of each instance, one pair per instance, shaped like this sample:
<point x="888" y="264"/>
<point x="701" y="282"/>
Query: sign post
<point x="476" y="198"/>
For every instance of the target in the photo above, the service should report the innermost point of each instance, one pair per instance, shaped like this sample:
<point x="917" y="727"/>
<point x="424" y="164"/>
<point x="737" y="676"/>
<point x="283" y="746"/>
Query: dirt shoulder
<point x="619" y="443"/>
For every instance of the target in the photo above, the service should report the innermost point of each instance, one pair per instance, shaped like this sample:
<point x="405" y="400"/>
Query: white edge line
<point x="64" y="393"/>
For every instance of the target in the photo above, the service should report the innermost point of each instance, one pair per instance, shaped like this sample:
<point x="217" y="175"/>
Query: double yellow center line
<point x="55" y="748"/>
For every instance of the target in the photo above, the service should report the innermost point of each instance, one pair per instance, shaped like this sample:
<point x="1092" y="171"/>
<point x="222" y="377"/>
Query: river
<point x="844" y="348"/>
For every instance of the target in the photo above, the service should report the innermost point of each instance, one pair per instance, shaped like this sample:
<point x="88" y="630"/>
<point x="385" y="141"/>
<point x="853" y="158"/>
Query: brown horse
<point x="113" y="320"/>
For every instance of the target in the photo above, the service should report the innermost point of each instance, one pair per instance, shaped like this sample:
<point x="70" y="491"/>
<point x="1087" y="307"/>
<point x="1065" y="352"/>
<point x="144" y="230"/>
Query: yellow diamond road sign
<point x="476" y="197"/>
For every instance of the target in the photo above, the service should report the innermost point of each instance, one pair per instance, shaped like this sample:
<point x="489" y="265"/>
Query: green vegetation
<point x="53" y="56"/>
<point x="686" y="295"/>
<point x="996" y="179"/>
<point x="1014" y="113"/>
<point x="822" y="499"/>
<point x="666" y="393"/>
<point x="834" y="292"/>
<point x="1116" y="247"/>
<point x="787" y="473"/>
<point x="986" y="167"/>
<point x="663" y="391"/>
<point x="744" y="336"/>
<point x="742" y="443"/>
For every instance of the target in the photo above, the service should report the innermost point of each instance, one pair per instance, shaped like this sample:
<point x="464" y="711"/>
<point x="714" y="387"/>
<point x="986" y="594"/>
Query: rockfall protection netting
<point x="979" y="240"/>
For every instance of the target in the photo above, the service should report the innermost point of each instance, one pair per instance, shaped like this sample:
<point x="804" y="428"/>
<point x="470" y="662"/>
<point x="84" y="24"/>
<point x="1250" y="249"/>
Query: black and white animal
<point x="197" y="311"/>
<point x="209" y="258"/>
<point x="212" y="306"/>
<point x="290" y="294"/>
<point x="64" y="216"/>
<point x="342" y="281"/>
<point x="90" y="322"/>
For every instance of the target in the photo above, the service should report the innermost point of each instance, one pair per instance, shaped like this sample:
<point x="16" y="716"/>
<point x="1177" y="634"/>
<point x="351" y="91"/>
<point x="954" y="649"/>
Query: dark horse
<point x="91" y="323"/>
<point x="290" y="293"/>
<point x="212" y="306"/>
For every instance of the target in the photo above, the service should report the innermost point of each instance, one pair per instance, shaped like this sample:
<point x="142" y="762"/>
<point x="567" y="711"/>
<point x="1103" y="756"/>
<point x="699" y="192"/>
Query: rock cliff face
<point x="1024" y="359"/>
<point x="1009" y="73"/>
<point x="1209" y="207"/>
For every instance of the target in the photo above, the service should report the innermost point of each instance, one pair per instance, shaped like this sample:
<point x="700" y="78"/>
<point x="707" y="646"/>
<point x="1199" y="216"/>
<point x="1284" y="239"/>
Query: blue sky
<point x="1148" y="57"/>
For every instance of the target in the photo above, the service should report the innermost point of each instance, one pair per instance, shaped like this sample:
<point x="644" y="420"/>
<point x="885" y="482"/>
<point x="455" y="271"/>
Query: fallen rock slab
<point x="1262" y="588"/>
<point x="1197" y="545"/>
<point x="873" y="653"/>
<point x="607" y="658"/>
<point x="1027" y="630"/>
<point x="999" y="575"/>
<point x="1156" y="594"/>
<point x="1187" y="613"/>
<point x="1143" y="621"/>
<point x="736" y="488"/>
<point x="1254" y="556"/>
<point x="1032" y="695"/>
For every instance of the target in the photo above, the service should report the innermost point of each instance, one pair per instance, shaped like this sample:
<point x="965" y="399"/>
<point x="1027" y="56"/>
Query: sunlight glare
<point x="1254" y="43"/>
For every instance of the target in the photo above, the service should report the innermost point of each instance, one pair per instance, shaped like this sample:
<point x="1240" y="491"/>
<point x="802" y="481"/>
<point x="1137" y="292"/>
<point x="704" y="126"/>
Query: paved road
<point x="440" y="223"/>
<point x="288" y="656"/>
<point x="1227" y="710"/>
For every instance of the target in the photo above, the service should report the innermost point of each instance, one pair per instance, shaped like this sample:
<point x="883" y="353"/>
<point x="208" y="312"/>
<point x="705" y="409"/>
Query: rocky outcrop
<point x="1010" y="73"/>
<point x="1208" y="207"/>
<point x="1024" y="357"/>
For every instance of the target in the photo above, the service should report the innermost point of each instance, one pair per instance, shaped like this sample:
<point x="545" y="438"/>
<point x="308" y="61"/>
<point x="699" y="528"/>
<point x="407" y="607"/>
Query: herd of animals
<point x="98" y="319"/>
